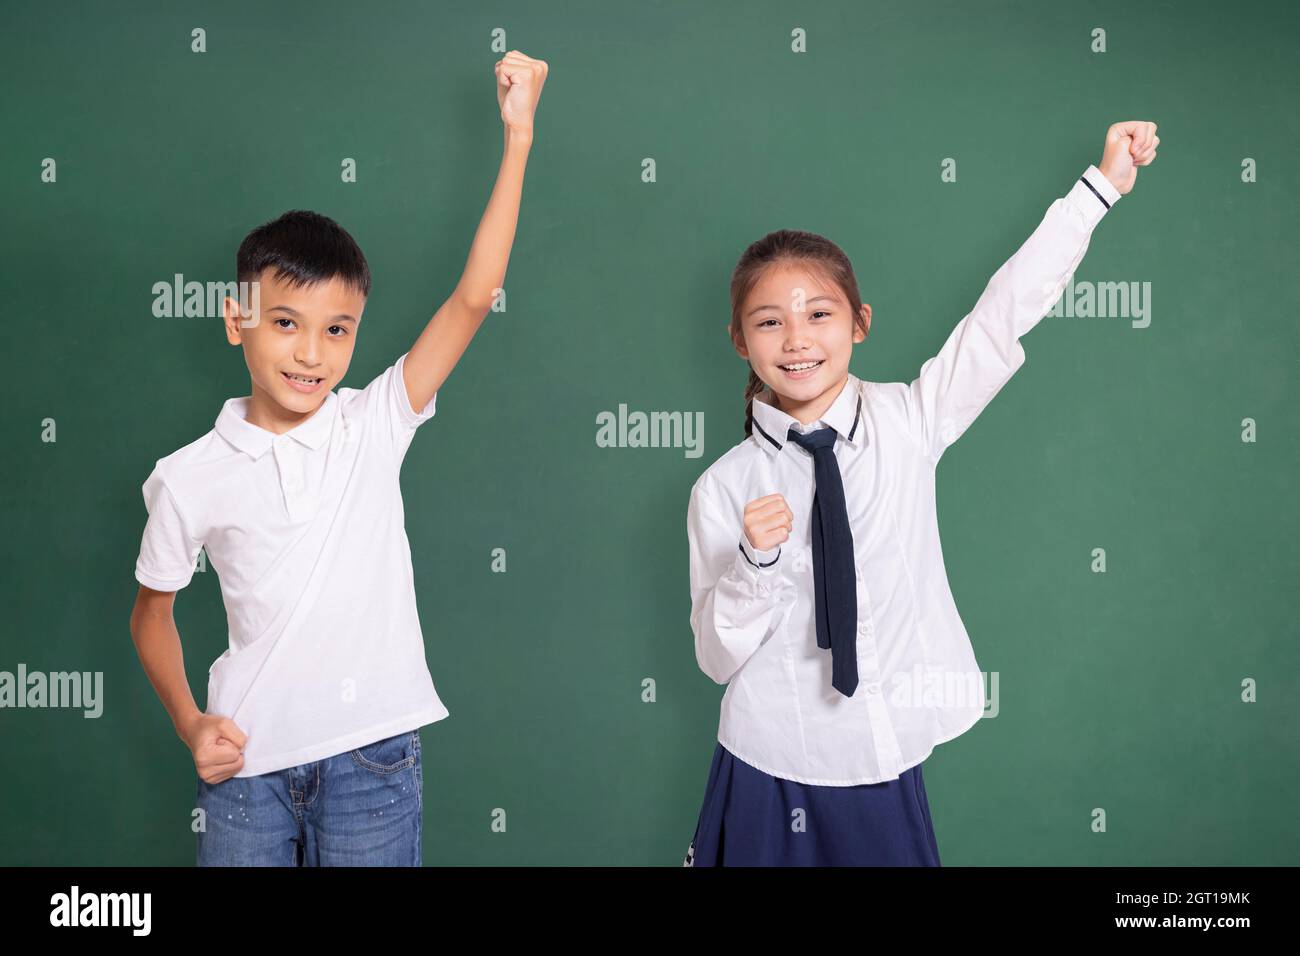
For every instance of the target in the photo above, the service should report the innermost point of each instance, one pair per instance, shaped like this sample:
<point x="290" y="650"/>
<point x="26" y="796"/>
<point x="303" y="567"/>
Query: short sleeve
<point x="169" y="548"/>
<point x="387" y="408"/>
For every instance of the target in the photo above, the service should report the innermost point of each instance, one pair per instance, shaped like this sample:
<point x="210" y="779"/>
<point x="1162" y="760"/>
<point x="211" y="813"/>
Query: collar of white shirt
<point x="844" y="415"/>
<point x="254" y="440"/>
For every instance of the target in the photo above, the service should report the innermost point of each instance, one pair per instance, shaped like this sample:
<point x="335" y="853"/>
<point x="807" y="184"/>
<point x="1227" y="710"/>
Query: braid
<point x="752" y="388"/>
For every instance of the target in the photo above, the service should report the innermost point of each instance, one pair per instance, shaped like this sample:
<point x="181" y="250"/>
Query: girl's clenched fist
<point x="768" y="522"/>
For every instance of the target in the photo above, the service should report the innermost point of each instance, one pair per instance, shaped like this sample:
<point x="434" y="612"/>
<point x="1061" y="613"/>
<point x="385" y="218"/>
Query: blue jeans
<point x="359" y="808"/>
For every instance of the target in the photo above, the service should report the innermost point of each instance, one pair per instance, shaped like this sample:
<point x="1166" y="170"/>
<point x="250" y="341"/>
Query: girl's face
<point x="798" y="334"/>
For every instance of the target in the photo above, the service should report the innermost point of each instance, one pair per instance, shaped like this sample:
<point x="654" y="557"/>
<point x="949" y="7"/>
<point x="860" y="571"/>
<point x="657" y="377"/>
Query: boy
<point x="309" y="752"/>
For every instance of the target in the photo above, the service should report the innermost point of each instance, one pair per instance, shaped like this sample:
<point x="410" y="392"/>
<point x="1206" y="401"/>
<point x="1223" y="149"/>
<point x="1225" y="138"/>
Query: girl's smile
<point x="798" y="371"/>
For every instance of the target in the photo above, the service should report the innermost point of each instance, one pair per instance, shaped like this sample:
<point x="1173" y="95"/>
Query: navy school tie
<point x="834" y="575"/>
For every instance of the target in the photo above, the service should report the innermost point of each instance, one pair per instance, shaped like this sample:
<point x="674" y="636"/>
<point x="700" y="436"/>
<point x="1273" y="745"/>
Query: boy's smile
<point x="302" y="383"/>
<point x="799" y="334"/>
<point x="297" y="348"/>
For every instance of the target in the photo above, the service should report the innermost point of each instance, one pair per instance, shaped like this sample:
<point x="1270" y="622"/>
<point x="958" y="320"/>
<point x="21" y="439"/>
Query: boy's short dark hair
<point x="303" y="248"/>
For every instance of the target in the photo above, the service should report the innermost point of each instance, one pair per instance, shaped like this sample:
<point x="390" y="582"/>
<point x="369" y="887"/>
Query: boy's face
<point x="793" y="316"/>
<point x="308" y="332"/>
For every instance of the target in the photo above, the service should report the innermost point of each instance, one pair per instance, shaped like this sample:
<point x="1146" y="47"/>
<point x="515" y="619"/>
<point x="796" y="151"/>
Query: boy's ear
<point x="229" y="318"/>
<point x="234" y="320"/>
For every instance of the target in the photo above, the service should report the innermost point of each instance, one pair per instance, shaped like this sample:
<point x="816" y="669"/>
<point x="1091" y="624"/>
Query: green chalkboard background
<point x="1120" y="691"/>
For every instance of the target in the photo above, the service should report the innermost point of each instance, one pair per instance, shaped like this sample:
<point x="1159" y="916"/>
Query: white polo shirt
<point x="306" y="533"/>
<point x="753" y="613"/>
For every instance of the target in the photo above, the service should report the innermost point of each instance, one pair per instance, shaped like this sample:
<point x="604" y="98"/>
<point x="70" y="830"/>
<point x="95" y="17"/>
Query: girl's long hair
<point x="787" y="247"/>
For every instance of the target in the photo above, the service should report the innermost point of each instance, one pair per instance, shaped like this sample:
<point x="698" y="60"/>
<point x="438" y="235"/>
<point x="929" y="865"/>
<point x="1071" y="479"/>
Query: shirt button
<point x="873" y="688"/>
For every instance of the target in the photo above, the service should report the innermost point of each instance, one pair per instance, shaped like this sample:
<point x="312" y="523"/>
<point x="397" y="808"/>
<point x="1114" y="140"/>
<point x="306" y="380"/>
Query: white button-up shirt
<point x="753" y="612"/>
<point x="306" y="531"/>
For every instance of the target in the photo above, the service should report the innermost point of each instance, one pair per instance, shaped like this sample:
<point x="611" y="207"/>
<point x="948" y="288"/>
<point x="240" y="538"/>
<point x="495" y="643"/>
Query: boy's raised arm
<point x="447" y="335"/>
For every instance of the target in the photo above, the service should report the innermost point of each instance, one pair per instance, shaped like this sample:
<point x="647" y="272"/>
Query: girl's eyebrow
<point x="775" y="308"/>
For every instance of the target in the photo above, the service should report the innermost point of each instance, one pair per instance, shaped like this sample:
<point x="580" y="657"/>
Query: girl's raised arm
<point x="984" y="350"/>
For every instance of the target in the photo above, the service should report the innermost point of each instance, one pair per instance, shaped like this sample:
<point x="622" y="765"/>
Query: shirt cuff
<point x="1093" y="194"/>
<point x="755" y="560"/>
<point x="157" y="583"/>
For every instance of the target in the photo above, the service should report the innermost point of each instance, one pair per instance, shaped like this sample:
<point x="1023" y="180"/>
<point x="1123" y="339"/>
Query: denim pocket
<point x="388" y="755"/>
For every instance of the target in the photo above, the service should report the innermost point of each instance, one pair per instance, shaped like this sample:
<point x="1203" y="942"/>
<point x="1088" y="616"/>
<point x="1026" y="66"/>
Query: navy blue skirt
<point x="751" y="818"/>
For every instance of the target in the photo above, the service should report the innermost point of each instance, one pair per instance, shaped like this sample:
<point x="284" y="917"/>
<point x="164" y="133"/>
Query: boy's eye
<point x="331" y="328"/>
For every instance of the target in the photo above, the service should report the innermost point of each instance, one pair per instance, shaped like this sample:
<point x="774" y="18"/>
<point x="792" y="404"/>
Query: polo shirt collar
<point x="772" y="426"/>
<point x="254" y="440"/>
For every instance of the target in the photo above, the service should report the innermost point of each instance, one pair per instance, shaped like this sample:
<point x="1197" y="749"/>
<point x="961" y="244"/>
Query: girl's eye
<point x="283" y="320"/>
<point x="814" y="315"/>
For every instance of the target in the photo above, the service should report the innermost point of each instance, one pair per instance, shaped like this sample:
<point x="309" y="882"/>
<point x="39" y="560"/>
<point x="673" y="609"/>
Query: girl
<point x="818" y="591"/>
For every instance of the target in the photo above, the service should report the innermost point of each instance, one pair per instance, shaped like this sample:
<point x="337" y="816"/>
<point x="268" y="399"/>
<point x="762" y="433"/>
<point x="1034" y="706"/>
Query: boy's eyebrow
<point x="341" y="317"/>
<point x="816" y="298"/>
